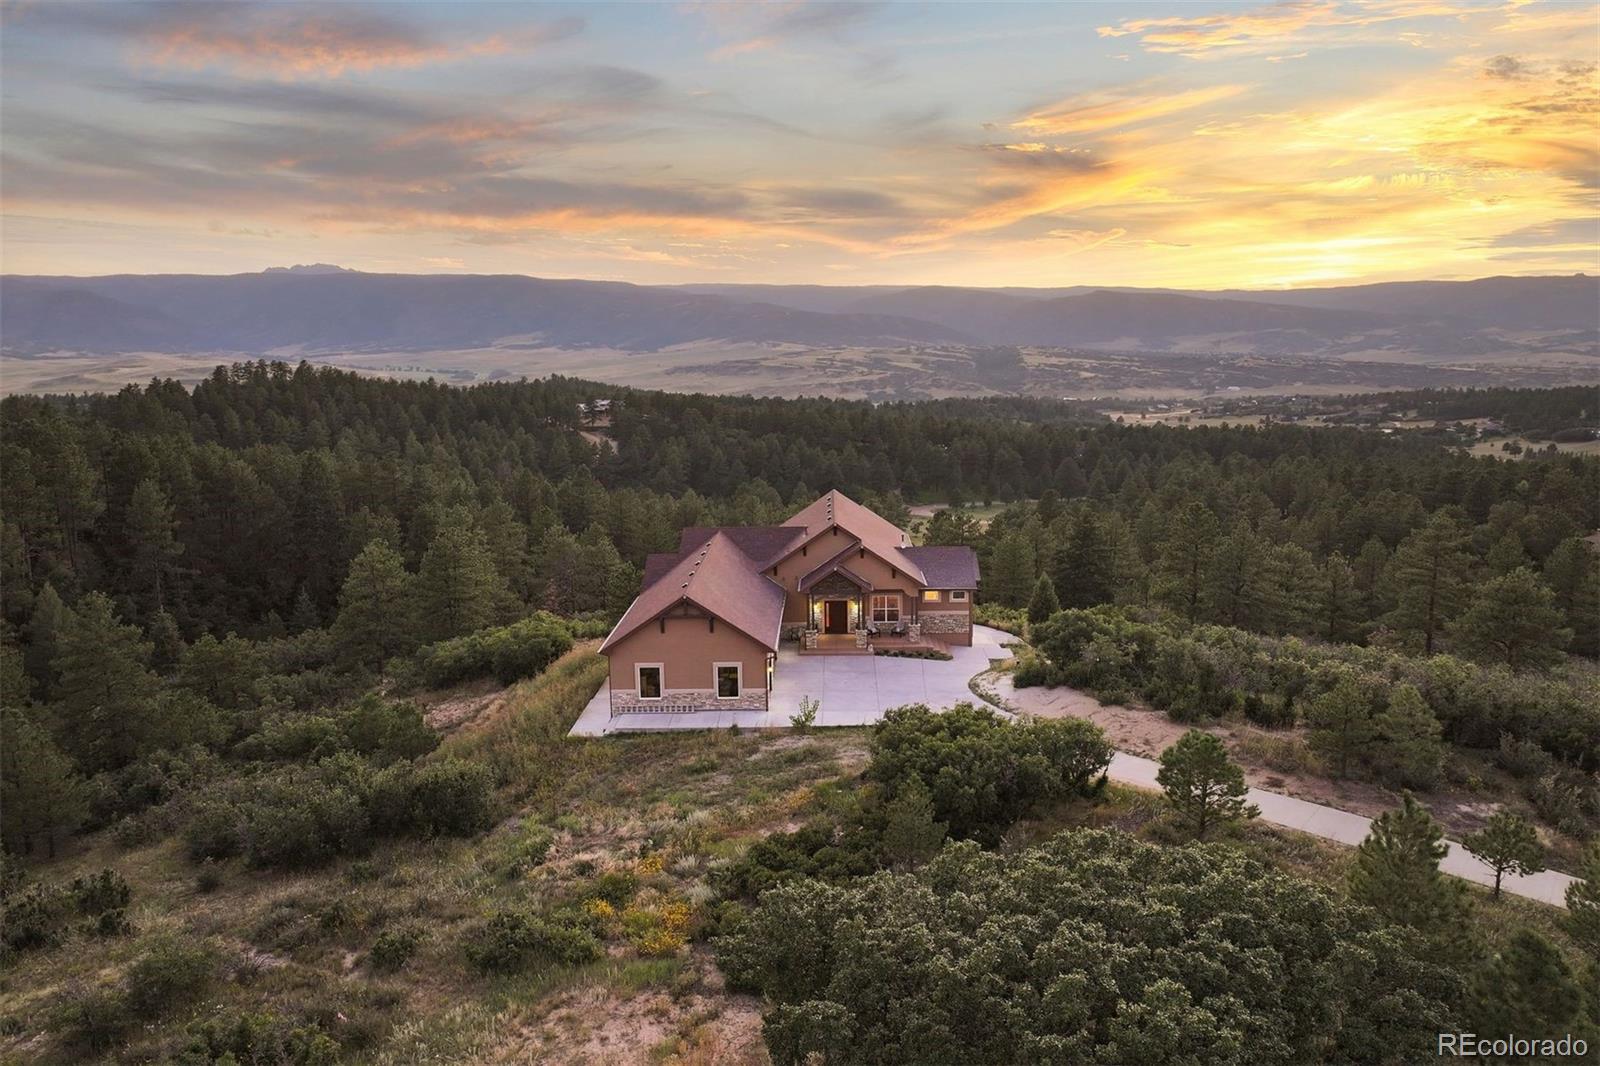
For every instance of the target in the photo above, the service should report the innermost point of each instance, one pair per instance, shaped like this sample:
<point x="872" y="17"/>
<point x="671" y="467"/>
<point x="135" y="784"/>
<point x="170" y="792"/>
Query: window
<point x="649" y="680"/>
<point x="930" y="595"/>
<point x="885" y="607"/>
<point x="958" y="594"/>
<point x="729" y="676"/>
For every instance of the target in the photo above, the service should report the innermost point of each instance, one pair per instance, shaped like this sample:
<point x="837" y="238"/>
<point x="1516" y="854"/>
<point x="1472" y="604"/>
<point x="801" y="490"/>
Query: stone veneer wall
<point x="680" y="700"/>
<point x="936" y="622"/>
<point x="792" y="631"/>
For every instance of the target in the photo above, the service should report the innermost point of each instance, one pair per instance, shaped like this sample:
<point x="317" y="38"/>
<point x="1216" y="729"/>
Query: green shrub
<point x="257" y="1038"/>
<point x="616" y="887"/>
<point x="982" y="771"/>
<point x="394" y="948"/>
<point x="97" y="893"/>
<point x="171" y="973"/>
<point x="91" y="1019"/>
<point x="514" y="940"/>
<point x="387" y="730"/>
<point x="509" y="653"/>
<point x="451" y="797"/>
<point x="34" y="917"/>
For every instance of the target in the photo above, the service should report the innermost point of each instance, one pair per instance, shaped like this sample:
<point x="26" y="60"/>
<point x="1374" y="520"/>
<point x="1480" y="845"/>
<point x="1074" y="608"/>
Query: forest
<point x="224" y="611"/>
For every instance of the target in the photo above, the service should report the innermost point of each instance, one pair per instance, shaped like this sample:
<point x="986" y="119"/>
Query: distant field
<point x="1494" y="447"/>
<point x="908" y="373"/>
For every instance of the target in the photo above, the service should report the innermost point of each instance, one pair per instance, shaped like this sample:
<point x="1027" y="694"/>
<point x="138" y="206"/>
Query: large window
<point x="885" y="607"/>
<point x="649" y="681"/>
<point x="930" y="595"/>
<point x="729" y="679"/>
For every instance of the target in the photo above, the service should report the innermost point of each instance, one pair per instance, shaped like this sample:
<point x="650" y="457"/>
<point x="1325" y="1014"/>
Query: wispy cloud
<point x="1106" y="110"/>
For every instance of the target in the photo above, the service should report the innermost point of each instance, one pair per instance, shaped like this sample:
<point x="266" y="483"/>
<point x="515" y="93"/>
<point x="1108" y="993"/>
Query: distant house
<point x="704" y="632"/>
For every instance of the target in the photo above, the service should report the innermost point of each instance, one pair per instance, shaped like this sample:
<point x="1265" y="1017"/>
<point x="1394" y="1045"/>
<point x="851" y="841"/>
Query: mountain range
<point x="321" y="308"/>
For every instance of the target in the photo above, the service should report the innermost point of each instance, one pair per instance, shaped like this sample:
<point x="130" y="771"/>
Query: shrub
<point x="394" y="948"/>
<point x="513" y="940"/>
<point x="93" y="1019"/>
<point x="171" y="973"/>
<point x="616" y="887"/>
<point x="1269" y="712"/>
<point x="983" y="772"/>
<point x="451" y="797"/>
<point x="258" y="1038"/>
<point x="387" y="730"/>
<point x="294" y="817"/>
<point x="1011" y="620"/>
<point x="661" y="929"/>
<point x="97" y="893"/>
<point x="34" y="917"/>
<point x="509" y="653"/>
<point x="806" y="717"/>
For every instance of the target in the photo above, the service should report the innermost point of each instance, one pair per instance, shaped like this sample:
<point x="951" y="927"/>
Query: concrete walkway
<point x="1329" y="823"/>
<point x="850" y="690"/>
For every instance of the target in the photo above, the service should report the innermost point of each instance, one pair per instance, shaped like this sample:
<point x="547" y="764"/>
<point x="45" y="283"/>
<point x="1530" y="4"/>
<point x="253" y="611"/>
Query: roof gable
<point x="879" y="535"/>
<point x="719" y="579"/>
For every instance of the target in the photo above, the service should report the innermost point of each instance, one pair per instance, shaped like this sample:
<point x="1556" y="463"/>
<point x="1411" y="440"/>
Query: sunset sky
<point x="1201" y="144"/>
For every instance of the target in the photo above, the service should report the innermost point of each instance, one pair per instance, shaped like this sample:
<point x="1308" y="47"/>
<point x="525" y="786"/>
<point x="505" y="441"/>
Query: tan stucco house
<point x="704" y="632"/>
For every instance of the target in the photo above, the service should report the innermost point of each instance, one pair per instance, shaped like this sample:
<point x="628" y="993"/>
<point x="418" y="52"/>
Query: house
<point x="705" y="631"/>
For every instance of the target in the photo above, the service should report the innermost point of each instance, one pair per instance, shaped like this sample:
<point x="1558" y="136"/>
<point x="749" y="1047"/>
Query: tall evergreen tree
<point x="1528" y="989"/>
<point x="1408" y="751"/>
<point x="45" y="630"/>
<point x="458" y="588"/>
<point x="106" y="695"/>
<point x="1513" y="620"/>
<point x="1428" y="573"/>
<point x="1573" y="573"/>
<point x="1341" y="725"/>
<point x="1582" y="920"/>
<point x="154" y="546"/>
<point x="1044" y="602"/>
<point x="1084" y="573"/>
<point x="1185" y="559"/>
<point x="1396" y="872"/>
<point x="41" y="795"/>
<point x="377" y="618"/>
<point x="1335" y="604"/>
<point x="1009" y="577"/>
<point x="1236" y="591"/>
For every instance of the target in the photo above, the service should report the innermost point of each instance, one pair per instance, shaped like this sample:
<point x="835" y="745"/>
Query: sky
<point x="1197" y="144"/>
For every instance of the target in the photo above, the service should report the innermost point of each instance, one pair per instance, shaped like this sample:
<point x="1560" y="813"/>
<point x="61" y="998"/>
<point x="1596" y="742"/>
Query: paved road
<point x="1346" y="828"/>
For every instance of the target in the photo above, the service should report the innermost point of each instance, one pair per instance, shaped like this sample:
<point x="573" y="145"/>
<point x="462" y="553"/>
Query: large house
<point x="704" y="632"/>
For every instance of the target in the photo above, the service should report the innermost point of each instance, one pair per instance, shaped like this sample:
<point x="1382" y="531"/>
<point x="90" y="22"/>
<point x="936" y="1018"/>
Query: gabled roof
<point x="760" y="543"/>
<point x="835" y="564"/>
<point x="879" y="535"/>
<point x="719" y="579"/>
<point x="953" y="567"/>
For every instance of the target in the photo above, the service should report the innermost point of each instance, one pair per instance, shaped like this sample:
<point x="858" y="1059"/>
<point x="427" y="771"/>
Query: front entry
<point x="836" y="616"/>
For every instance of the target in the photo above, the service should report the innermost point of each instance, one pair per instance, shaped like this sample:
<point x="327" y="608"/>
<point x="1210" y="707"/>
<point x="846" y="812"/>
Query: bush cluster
<point x="1196" y="672"/>
<point x="40" y="915"/>
<point x="301" y="816"/>
<point x="510" y="941"/>
<point x="1092" y="947"/>
<point x="508" y="653"/>
<point x="171" y="973"/>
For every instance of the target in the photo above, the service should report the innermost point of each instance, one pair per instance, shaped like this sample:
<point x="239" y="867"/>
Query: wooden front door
<point x="836" y="616"/>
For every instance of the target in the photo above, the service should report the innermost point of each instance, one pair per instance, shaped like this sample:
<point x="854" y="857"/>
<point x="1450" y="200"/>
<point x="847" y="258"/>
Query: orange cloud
<point x="1103" y="111"/>
<point x="296" y="43"/>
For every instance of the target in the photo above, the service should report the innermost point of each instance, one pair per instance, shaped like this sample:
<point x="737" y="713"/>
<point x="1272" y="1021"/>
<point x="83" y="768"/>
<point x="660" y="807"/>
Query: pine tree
<point x="1583" y="902"/>
<point x="155" y="547"/>
<point x="166" y="640"/>
<point x="910" y="833"/>
<point x="1335" y="603"/>
<point x="1573" y="573"/>
<point x="1044" y="603"/>
<point x="1185" y="558"/>
<point x="1527" y="989"/>
<point x="1513" y="620"/>
<point x="1341" y="725"/>
<point x="304" y="615"/>
<point x="1428" y="572"/>
<point x="458" y="588"/>
<point x="1009" y="577"/>
<point x="45" y="629"/>
<point x="105" y="696"/>
<point x="1085" y="567"/>
<point x="16" y="687"/>
<point x="1409" y="750"/>
<point x="1396" y="872"/>
<point x="1204" y="786"/>
<point x="1506" y="554"/>
<point x="376" y="618"/>
<point x="41" y="795"/>
<point x="1507" y="843"/>
<point x="1236" y="590"/>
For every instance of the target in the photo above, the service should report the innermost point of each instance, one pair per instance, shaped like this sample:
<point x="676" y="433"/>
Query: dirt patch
<point x="1142" y="730"/>
<point x="455" y="711"/>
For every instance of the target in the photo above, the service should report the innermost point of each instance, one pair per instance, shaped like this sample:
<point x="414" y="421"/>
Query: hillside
<point x="326" y="310"/>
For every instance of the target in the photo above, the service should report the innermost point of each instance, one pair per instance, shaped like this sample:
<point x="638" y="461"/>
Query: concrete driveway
<point x="850" y="690"/>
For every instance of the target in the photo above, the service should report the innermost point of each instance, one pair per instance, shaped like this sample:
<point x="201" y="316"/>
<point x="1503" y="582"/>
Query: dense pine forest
<point x="226" y="611"/>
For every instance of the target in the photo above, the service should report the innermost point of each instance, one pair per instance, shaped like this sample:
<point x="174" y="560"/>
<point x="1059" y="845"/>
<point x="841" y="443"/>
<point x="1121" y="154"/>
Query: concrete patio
<point x="850" y="689"/>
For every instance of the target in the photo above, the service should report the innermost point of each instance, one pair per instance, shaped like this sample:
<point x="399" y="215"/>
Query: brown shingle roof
<point x="764" y="544"/>
<point x="946" y="567"/>
<point x="719" y="579"/>
<point x="881" y="536"/>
